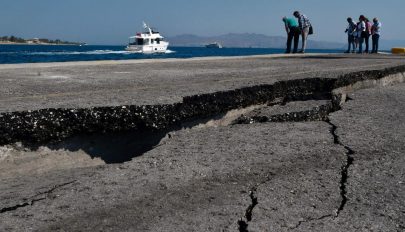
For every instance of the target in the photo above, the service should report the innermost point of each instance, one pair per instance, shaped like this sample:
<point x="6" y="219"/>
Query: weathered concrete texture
<point x="297" y="111"/>
<point x="157" y="82"/>
<point x="18" y="161"/>
<point x="55" y="124"/>
<point x="199" y="180"/>
<point x="373" y="126"/>
<point x="342" y="174"/>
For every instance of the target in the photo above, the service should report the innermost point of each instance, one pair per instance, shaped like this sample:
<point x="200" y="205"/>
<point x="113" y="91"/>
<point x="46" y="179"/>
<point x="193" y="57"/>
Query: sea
<point x="15" y="54"/>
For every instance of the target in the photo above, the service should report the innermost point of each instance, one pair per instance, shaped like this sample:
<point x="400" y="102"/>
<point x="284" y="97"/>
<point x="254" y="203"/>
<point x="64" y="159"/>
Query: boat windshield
<point x="145" y="41"/>
<point x="137" y="41"/>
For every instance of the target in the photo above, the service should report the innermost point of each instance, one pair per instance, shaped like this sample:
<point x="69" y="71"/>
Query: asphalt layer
<point x="153" y="82"/>
<point x="342" y="172"/>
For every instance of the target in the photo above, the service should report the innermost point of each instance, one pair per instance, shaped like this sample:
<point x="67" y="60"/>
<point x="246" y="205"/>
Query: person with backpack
<point x="361" y="33"/>
<point x="293" y="32"/>
<point x="376" y="31"/>
<point x="351" y="32"/>
<point x="304" y="26"/>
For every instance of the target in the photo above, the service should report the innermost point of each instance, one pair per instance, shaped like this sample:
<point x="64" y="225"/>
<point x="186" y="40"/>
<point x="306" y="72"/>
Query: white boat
<point x="147" y="42"/>
<point x="214" y="45"/>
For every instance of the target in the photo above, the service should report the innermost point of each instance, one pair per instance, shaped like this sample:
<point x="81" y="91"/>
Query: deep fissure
<point x="344" y="169"/>
<point x="248" y="215"/>
<point x="152" y="123"/>
<point x="244" y="224"/>
<point x="148" y="124"/>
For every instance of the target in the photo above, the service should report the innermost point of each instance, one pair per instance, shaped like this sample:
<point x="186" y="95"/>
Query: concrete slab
<point x="198" y="180"/>
<point x="342" y="174"/>
<point x="152" y="82"/>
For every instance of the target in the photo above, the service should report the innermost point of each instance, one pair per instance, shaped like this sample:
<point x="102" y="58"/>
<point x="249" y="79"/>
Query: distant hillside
<point x="245" y="40"/>
<point x="17" y="40"/>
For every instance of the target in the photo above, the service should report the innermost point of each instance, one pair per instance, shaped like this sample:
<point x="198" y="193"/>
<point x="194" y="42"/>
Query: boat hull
<point x="162" y="48"/>
<point x="213" y="45"/>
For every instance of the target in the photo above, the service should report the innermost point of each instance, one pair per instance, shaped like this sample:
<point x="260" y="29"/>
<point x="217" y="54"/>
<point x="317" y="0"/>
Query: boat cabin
<point x="144" y="41"/>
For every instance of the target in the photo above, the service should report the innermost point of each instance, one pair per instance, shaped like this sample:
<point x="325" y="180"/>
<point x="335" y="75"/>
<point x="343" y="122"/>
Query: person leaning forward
<point x="293" y="32"/>
<point x="304" y="25"/>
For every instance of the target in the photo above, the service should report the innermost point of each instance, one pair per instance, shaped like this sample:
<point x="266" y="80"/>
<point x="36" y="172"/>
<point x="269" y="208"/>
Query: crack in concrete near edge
<point x="344" y="169"/>
<point x="319" y="115"/>
<point x="242" y="223"/>
<point x="344" y="175"/>
<point x="34" y="199"/>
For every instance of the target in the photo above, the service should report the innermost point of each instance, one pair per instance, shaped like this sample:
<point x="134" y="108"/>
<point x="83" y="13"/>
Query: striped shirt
<point x="303" y="21"/>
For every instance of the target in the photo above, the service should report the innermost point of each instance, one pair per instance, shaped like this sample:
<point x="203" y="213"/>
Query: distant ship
<point x="214" y="45"/>
<point x="147" y="42"/>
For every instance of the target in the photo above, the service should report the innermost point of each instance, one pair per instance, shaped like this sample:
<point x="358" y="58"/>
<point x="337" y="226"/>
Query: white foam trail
<point x="95" y="52"/>
<point x="170" y="51"/>
<point x="62" y="53"/>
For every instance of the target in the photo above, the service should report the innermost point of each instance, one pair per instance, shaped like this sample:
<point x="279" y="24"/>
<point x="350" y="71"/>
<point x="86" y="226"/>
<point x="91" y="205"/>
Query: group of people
<point x="294" y="29"/>
<point x="360" y="32"/>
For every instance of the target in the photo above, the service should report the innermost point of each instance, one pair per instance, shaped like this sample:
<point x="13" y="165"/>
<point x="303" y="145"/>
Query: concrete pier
<point x="262" y="143"/>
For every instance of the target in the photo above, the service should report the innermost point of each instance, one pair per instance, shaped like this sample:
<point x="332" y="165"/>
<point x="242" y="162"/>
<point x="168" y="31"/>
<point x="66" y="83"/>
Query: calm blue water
<point x="12" y="54"/>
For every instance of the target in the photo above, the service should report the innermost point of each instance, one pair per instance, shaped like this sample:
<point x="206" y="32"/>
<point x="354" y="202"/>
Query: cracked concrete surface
<point x="147" y="193"/>
<point x="297" y="111"/>
<point x="345" y="168"/>
<point x="38" y="197"/>
<point x="289" y="176"/>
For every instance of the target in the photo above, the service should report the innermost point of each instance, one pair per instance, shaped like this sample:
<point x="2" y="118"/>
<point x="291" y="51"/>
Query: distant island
<point x="35" y="41"/>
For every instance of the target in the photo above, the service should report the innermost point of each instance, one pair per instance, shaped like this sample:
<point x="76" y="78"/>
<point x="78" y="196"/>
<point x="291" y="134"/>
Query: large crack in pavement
<point x="344" y="169"/>
<point x="58" y="124"/>
<point x="315" y="114"/>
<point x="36" y="198"/>
<point x="318" y="113"/>
<point x="243" y="223"/>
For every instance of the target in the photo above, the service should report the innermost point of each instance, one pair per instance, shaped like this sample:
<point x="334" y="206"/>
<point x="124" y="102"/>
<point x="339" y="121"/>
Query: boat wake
<point x="67" y="53"/>
<point x="169" y="51"/>
<point x="95" y="52"/>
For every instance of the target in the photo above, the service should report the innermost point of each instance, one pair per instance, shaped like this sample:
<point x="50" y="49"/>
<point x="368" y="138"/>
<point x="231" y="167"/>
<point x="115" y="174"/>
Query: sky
<point x="111" y="22"/>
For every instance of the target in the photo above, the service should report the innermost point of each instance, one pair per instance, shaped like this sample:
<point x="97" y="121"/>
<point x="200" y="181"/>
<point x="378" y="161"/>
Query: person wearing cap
<point x="376" y="32"/>
<point x="293" y="32"/>
<point x="304" y="25"/>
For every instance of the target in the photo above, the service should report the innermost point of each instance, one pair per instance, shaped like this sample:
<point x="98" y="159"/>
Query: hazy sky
<point x="112" y="21"/>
